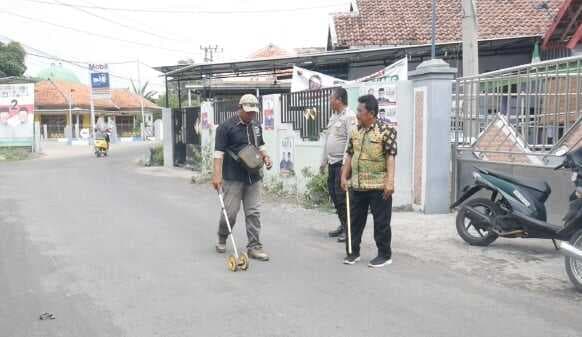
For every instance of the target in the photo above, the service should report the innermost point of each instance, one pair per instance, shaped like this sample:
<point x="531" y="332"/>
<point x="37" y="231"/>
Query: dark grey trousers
<point x="236" y="193"/>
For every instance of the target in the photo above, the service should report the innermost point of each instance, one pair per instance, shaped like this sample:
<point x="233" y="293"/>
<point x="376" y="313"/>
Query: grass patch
<point x="14" y="153"/>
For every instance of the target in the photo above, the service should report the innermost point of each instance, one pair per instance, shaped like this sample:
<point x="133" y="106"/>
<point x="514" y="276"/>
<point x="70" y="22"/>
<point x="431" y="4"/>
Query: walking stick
<point x="349" y="222"/>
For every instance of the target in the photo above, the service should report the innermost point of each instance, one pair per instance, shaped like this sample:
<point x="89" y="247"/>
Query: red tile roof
<point x="48" y="97"/>
<point x="270" y="51"/>
<point x="407" y="22"/>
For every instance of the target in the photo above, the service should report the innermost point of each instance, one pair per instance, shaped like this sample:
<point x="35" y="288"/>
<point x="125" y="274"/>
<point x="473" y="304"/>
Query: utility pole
<point x="140" y="93"/>
<point x="209" y="52"/>
<point x="470" y="28"/>
<point x="433" y="32"/>
<point x="92" y="116"/>
<point x="470" y="38"/>
<point x="69" y="101"/>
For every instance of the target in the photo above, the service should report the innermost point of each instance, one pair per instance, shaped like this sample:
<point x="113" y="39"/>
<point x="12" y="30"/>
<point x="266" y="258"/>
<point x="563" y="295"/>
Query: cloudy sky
<point x="158" y="32"/>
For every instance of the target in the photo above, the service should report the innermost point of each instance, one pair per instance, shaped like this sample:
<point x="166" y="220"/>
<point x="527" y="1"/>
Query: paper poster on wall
<point x="304" y="79"/>
<point x="287" y="159"/>
<point x="268" y="112"/>
<point x="387" y="100"/>
<point x="16" y="114"/>
<point x="204" y="115"/>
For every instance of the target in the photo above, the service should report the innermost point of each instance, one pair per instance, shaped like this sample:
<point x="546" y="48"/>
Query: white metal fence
<point x="540" y="101"/>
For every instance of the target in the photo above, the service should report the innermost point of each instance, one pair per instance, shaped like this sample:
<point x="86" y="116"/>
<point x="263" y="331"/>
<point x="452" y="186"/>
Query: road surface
<point x="114" y="252"/>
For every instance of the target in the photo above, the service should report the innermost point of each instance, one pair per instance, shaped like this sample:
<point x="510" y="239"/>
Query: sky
<point x="157" y="33"/>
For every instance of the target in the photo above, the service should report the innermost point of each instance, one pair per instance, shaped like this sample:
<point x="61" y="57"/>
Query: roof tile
<point x="405" y="22"/>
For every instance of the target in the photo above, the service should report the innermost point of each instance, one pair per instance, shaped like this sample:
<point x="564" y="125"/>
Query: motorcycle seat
<point x="540" y="186"/>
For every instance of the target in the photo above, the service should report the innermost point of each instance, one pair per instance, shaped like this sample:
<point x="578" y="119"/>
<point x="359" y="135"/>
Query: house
<point x="508" y="30"/>
<point x="565" y="32"/>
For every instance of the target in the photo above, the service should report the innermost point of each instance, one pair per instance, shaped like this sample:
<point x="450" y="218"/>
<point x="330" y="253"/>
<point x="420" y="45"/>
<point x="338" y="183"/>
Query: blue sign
<point x="100" y="80"/>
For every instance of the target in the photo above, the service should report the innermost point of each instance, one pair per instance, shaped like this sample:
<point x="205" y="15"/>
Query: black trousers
<point x="360" y="202"/>
<point x="338" y="196"/>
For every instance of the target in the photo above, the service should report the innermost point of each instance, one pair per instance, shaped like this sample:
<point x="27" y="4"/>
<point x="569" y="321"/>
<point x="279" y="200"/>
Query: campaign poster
<point x="268" y="113"/>
<point x="287" y="159"/>
<point x="304" y="79"/>
<point x="386" y="95"/>
<point x="16" y="114"/>
<point x="206" y="115"/>
<point x="397" y="71"/>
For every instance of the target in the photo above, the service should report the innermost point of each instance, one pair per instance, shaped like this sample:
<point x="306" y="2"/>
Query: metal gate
<point x="186" y="142"/>
<point x="308" y="111"/>
<point x="518" y="120"/>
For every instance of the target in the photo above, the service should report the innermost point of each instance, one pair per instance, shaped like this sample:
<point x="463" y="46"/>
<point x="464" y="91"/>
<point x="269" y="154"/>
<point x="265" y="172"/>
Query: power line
<point x="137" y="29"/>
<point x="186" y="11"/>
<point x="57" y="58"/>
<point x="76" y="63"/>
<point x="180" y="52"/>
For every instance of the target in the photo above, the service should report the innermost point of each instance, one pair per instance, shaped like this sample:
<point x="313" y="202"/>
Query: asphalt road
<point x="112" y="252"/>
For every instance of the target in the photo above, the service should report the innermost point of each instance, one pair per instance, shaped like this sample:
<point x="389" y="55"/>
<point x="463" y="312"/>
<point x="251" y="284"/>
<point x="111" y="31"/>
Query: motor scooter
<point x="516" y="209"/>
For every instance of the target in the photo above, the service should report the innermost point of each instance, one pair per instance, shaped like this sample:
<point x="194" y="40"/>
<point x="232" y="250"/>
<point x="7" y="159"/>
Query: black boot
<point x="336" y="232"/>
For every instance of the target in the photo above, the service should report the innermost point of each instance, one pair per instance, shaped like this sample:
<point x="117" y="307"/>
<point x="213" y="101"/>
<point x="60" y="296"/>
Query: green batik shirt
<point x="369" y="149"/>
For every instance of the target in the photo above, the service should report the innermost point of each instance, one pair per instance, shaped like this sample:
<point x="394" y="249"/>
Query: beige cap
<point x="249" y="103"/>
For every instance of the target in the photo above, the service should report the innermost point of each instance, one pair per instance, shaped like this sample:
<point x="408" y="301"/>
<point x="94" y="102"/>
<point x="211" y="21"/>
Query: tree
<point x="161" y="101"/>
<point x="12" y="59"/>
<point x="144" y="91"/>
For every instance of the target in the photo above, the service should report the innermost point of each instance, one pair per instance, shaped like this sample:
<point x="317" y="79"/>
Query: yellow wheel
<point x="243" y="262"/>
<point x="231" y="263"/>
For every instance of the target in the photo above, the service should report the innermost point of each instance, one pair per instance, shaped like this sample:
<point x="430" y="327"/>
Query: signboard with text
<point x="100" y="85"/>
<point x="16" y="114"/>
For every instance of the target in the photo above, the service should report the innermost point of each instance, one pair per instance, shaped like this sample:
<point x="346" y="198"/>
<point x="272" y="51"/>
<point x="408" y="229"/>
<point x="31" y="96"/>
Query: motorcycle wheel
<point x="472" y="234"/>
<point x="574" y="266"/>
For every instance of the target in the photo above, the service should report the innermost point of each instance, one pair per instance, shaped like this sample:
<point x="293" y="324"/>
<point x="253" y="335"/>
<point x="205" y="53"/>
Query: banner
<point x="387" y="98"/>
<point x="287" y="163"/>
<point x="304" y="79"/>
<point x="269" y="112"/>
<point x="100" y="81"/>
<point x="205" y="115"/>
<point x="16" y="114"/>
<point x="397" y="71"/>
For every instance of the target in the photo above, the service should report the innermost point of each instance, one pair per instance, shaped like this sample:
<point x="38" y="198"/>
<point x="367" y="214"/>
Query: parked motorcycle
<point x="516" y="209"/>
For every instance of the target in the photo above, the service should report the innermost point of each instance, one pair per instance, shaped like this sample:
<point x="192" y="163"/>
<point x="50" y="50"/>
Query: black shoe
<point x="351" y="259"/>
<point x="336" y="232"/>
<point x="379" y="261"/>
<point x="341" y="237"/>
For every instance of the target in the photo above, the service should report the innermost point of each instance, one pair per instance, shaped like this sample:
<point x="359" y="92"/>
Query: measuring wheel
<point x="243" y="262"/>
<point x="232" y="263"/>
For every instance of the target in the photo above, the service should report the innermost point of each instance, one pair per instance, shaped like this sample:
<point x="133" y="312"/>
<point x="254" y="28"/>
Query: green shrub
<point x="157" y="155"/>
<point x="316" y="193"/>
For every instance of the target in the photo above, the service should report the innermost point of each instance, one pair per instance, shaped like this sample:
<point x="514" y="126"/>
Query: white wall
<point x="309" y="153"/>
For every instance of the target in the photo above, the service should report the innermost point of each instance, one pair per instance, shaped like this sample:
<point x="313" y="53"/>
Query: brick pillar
<point x="432" y="96"/>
